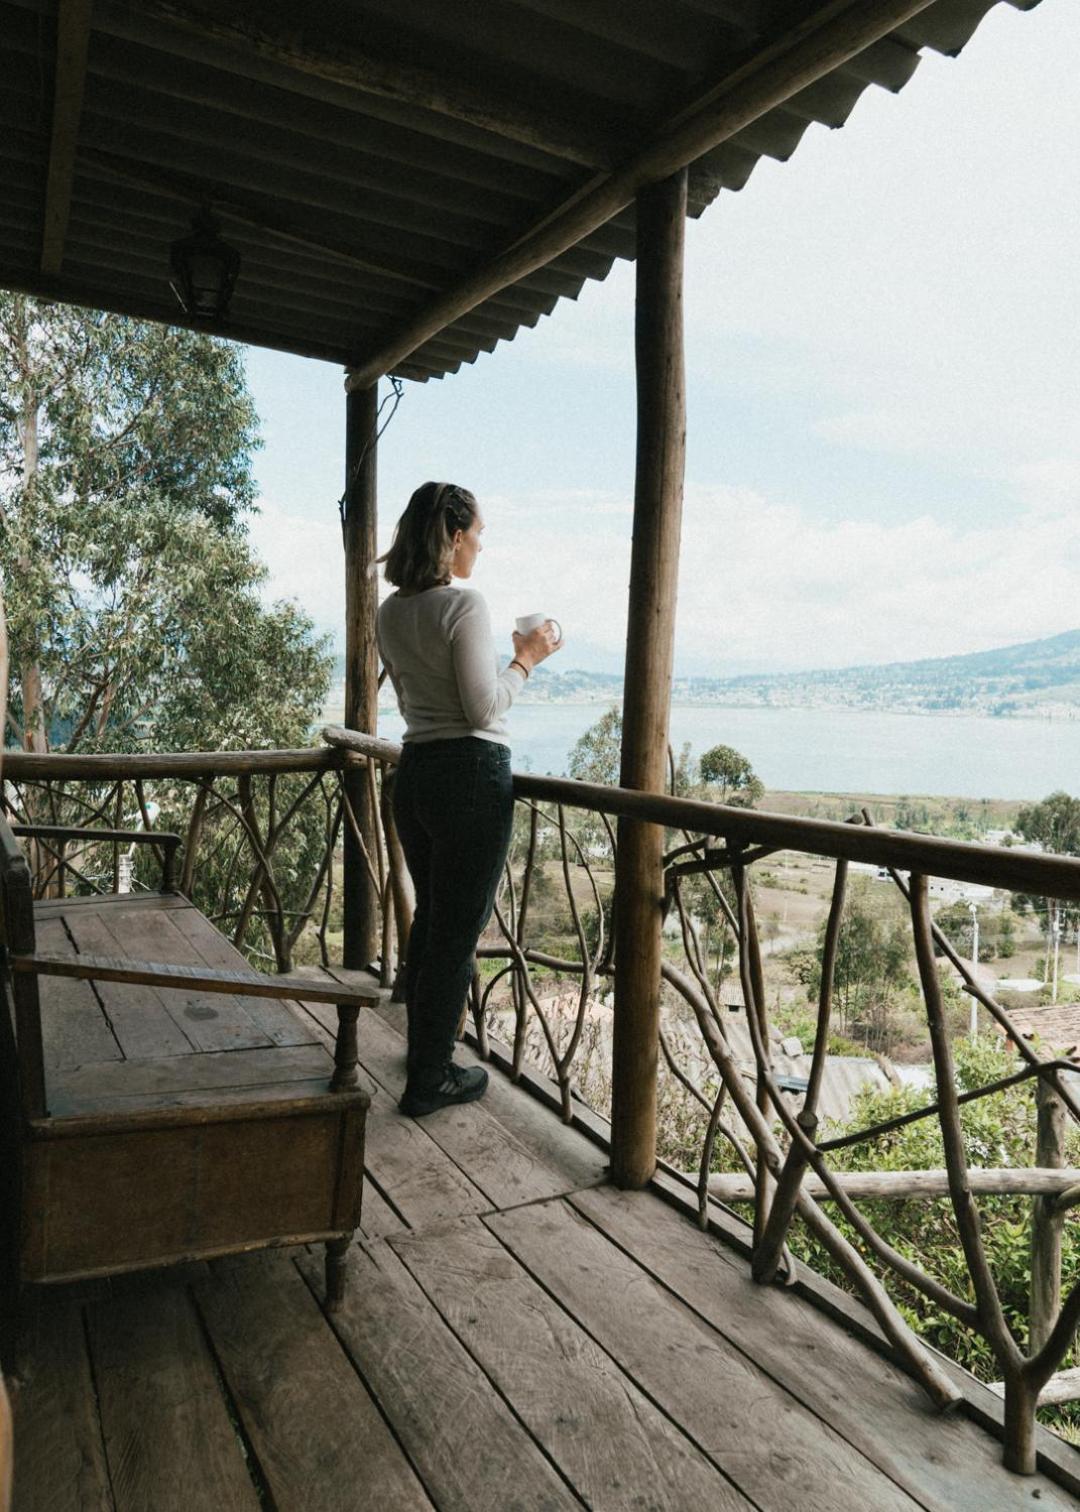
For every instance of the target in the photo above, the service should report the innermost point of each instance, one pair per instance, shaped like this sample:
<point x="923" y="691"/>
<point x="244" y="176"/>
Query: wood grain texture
<point x="216" y="1022"/>
<point x="650" y="639"/>
<point x="454" y="1425"/>
<point x="174" y="976"/>
<point x="72" y="44"/>
<point x="580" y="1162"/>
<point x="122" y="1199"/>
<point x="37" y="766"/>
<point x="321" y="1443"/>
<point x="423" y="1183"/>
<point x="281" y="1022"/>
<point x="140" y="1019"/>
<point x="73" y="1027"/>
<point x="47" y="908"/>
<point x="777" y="1452"/>
<point x="168" y="1438"/>
<point x="947" y="1463"/>
<point x="612" y="1444"/>
<point x="359" y="525"/>
<point x="377" y="1217"/>
<point x="59" y="1449"/>
<point x="496" y="1161"/>
<point x="215" y="1074"/>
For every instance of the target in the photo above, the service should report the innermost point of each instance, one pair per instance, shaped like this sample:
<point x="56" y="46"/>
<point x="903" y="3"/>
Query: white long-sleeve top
<point x="438" y="650"/>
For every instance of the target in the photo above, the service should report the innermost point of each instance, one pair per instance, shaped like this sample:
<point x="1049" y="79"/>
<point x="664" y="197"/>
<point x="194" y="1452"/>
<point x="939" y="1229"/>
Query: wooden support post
<point x="73" y="19"/>
<point x="1046" y="1220"/>
<point x="654" y="568"/>
<point x="361" y="903"/>
<point x="346" y="1049"/>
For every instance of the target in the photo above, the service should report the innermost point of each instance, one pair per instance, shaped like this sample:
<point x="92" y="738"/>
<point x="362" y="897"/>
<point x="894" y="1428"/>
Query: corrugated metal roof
<point x="367" y="160"/>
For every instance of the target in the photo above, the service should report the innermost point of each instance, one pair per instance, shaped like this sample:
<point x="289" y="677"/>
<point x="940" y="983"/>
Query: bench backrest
<point x="21" y="1005"/>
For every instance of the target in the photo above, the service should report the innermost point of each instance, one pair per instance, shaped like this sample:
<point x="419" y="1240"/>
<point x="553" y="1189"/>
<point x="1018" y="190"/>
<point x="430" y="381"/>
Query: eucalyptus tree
<point x="131" y="586"/>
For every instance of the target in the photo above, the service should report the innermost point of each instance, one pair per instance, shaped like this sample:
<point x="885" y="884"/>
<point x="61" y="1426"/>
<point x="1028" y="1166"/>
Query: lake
<point x="825" y="750"/>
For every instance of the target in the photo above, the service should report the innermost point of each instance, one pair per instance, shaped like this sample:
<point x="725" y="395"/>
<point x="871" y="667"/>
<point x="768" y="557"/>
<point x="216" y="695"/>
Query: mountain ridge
<point x="1038" y="678"/>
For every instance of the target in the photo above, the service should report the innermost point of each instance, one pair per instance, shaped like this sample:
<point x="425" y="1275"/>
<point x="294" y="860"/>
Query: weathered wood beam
<point x="72" y="45"/>
<point x="654" y="576"/>
<point x="29" y="766"/>
<point x="325" y="57"/>
<point x="1060" y="1388"/>
<point x="1047" y="1220"/>
<point x="249" y="211"/>
<point x="188" y="978"/>
<point x="960" y="860"/>
<point x="358" y="523"/>
<point x="76" y="291"/>
<point x="727" y="106"/>
<point x="900" y="1186"/>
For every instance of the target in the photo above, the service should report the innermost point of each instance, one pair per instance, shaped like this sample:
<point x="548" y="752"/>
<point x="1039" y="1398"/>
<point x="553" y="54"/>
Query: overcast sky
<point x="883" y="376"/>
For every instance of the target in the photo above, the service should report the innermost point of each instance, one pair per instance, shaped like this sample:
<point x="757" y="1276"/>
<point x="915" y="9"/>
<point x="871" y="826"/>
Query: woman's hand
<point x="530" y="650"/>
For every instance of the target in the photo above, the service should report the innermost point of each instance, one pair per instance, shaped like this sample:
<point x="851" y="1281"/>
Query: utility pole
<point x="1057" y="949"/>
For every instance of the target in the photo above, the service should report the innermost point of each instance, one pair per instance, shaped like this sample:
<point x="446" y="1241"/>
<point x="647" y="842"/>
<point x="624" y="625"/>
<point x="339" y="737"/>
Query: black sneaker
<point x="461" y="1084"/>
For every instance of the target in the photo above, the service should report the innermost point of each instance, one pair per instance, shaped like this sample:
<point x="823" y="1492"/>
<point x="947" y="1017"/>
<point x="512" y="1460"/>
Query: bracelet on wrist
<point x="515" y="663"/>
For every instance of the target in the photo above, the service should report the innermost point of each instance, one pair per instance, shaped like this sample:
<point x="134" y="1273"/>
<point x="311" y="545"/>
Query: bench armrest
<point x="348" y="1000"/>
<point x="167" y="839"/>
<point x="192" y="978"/>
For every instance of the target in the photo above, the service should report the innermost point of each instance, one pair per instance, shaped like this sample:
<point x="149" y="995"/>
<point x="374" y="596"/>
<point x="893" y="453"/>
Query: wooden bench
<point x="160" y="1101"/>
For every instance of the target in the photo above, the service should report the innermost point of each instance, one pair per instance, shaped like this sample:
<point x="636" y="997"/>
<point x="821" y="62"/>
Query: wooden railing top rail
<point x="36" y="767"/>
<point x="958" y="860"/>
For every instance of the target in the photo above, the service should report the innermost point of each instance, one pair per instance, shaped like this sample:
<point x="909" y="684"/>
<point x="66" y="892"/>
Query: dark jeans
<point x="454" y="809"/>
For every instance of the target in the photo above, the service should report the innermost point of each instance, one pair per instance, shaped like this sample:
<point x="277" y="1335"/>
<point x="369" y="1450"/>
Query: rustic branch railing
<point x="783" y="1159"/>
<point x="259" y="832"/>
<point x="262" y="834"/>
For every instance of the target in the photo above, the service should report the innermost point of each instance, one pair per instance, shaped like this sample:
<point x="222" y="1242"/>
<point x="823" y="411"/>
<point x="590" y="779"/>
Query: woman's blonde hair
<point x="422" y="550"/>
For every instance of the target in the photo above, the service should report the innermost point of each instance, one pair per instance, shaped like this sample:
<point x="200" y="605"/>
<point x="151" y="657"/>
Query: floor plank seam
<point x="252" y="1462"/>
<point x="94" y="989"/>
<point x="385" y="1195"/>
<point x="496" y="1388"/>
<point x="813" y="1289"/>
<point x="631" y="1376"/>
<point x="84" y="1323"/>
<point x="426" y="1132"/>
<point x="504" y="1123"/>
<point x="528" y="1202"/>
<point x="623" y="1370"/>
<point x="328" y="1319"/>
<point x="804" y="1400"/>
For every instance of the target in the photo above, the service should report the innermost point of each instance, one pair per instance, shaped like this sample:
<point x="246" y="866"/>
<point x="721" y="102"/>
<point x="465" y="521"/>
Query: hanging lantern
<point x="204" y="270"/>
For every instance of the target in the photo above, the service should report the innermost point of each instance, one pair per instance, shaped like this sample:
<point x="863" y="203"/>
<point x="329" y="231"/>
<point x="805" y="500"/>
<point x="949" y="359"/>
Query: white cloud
<point x="903" y="289"/>
<point x="763" y="580"/>
<point x="762" y="583"/>
<point x="306" y="562"/>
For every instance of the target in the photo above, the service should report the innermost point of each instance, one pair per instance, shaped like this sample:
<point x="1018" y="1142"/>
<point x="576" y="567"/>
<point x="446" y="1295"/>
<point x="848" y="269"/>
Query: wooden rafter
<point x="725" y="107"/>
<point x="361" y="70"/>
<point x="72" y="45"/>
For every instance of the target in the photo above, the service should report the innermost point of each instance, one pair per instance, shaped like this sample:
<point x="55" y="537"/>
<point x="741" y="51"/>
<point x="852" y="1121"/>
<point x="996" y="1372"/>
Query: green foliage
<point x="729" y="778"/>
<point x="132" y="589"/>
<point x="871" y="973"/>
<point x="999" y="1131"/>
<point x="597" y="753"/>
<point x="1054" y="823"/>
<point x="997" y="930"/>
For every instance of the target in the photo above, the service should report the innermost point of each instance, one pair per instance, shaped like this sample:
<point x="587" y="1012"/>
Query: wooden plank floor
<point x="516" y="1335"/>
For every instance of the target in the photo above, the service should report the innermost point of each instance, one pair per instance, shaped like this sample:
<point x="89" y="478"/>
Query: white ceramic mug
<point x="529" y="622"/>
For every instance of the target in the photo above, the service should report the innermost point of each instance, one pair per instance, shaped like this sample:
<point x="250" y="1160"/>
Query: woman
<point x="453" y="800"/>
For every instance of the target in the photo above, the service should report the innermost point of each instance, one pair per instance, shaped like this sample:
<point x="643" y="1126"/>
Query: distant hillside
<point x="1036" y="678"/>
